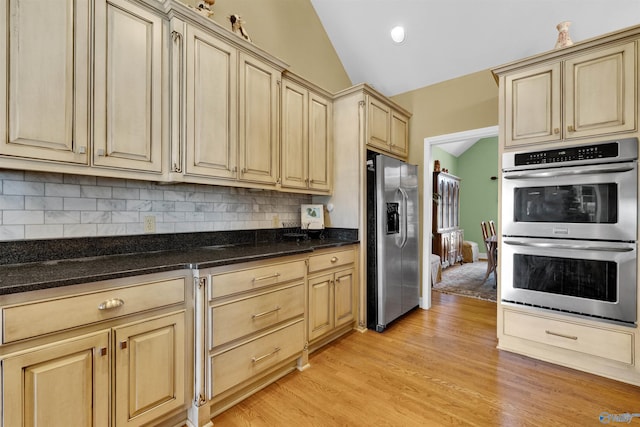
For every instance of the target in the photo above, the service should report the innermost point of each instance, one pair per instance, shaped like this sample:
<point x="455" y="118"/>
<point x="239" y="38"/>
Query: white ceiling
<point x="451" y="38"/>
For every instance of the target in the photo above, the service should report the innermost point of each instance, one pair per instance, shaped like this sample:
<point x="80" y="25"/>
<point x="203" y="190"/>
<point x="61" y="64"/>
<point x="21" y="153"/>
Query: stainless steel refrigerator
<point x="393" y="286"/>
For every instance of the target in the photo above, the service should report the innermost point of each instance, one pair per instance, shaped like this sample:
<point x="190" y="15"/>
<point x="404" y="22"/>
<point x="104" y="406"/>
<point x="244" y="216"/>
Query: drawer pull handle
<point x="264" y="313"/>
<point x="111" y="303"/>
<point x="261" y="358"/>
<point x="569" y="337"/>
<point x="271" y="276"/>
<point x="334" y="259"/>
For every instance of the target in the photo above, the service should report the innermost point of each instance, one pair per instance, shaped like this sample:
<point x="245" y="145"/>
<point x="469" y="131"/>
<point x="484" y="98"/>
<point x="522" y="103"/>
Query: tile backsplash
<point x="36" y="205"/>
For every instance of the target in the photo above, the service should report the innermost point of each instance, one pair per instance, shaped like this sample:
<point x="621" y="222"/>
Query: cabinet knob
<point x="82" y="149"/>
<point x="103" y="351"/>
<point x="334" y="259"/>
<point x="556" y="131"/>
<point x="123" y="345"/>
<point x="571" y="128"/>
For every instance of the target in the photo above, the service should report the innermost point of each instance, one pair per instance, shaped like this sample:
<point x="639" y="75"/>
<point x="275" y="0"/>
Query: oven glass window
<point x="582" y="203"/>
<point x="584" y="278"/>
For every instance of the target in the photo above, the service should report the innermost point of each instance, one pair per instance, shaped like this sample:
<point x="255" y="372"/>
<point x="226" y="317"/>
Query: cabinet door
<point x="44" y="79"/>
<point x="321" y="314"/>
<point x="344" y="295"/>
<point x="149" y="369"/>
<point x="211" y="99"/>
<point x="258" y="121"/>
<point x="532" y="106"/>
<point x="399" y="134"/>
<point x="128" y="87"/>
<point x="320" y="143"/>
<point x="600" y="92"/>
<point x="58" y="385"/>
<point x="295" y="135"/>
<point x="378" y="122"/>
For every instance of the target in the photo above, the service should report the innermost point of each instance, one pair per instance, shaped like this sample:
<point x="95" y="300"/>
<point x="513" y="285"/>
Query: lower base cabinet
<point x="58" y="385"/>
<point x="123" y="371"/>
<point x="332" y="293"/>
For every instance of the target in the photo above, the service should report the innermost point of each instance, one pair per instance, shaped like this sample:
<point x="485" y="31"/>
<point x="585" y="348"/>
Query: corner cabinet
<point x="307" y="137"/>
<point x="225" y="108"/>
<point x="582" y="94"/>
<point x="123" y="351"/>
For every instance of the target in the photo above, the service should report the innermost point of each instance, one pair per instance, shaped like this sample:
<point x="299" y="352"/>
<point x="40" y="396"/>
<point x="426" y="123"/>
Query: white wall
<point x="37" y="205"/>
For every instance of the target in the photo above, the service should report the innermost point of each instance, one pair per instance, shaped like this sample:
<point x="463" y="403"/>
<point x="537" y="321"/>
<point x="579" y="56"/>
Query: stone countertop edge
<point x="18" y="278"/>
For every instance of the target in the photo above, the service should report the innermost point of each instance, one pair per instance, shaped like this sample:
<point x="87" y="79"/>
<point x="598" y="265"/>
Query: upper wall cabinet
<point x="128" y="87"/>
<point x="580" y="95"/>
<point x="307" y="130"/>
<point x="44" y="80"/>
<point x="387" y="128"/>
<point x="225" y="108"/>
<point x="50" y="51"/>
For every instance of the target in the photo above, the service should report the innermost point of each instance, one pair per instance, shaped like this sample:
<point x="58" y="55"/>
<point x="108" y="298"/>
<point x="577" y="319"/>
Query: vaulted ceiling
<point x="446" y="39"/>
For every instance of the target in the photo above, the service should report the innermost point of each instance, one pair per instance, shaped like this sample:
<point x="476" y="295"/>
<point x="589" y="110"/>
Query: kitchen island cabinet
<point x="59" y="348"/>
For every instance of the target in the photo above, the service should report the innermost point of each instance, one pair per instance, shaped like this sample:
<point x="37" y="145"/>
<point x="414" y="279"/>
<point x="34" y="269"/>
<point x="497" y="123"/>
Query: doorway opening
<point x="455" y="143"/>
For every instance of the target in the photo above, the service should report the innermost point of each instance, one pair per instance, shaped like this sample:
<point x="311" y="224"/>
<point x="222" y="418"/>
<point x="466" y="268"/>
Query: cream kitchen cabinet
<point x="75" y="357"/>
<point x="388" y="128"/>
<point x="583" y="95"/>
<point x="254" y="333"/>
<point x="89" y="100"/>
<point x="128" y="91"/>
<point x="45" y="80"/>
<point x="307" y="136"/>
<point x="225" y="109"/>
<point x="332" y="293"/>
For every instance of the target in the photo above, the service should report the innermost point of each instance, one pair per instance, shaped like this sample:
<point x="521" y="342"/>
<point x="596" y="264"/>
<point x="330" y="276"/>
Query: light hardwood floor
<point x="437" y="367"/>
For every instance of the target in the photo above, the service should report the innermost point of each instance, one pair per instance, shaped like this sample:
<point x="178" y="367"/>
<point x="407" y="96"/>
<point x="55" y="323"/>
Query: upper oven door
<point x="596" y="202"/>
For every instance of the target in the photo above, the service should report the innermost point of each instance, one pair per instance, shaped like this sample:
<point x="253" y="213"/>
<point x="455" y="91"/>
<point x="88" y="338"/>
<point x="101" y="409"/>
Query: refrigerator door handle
<point x="403" y="217"/>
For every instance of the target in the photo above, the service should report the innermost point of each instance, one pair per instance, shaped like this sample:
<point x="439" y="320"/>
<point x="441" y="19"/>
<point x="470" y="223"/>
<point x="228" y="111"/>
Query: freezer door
<point x="389" y="238"/>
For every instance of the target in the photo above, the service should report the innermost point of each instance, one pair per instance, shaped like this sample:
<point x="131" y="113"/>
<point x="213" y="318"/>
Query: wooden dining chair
<point x="488" y="230"/>
<point x="492" y="227"/>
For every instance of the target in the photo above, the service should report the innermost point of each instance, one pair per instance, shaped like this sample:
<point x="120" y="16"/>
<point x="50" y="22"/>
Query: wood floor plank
<point x="433" y="367"/>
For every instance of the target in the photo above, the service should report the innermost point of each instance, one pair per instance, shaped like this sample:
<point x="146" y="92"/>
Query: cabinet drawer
<point x="255" y="278"/>
<point x="606" y="343"/>
<point x="243" y="362"/>
<point x="331" y="259"/>
<point x="241" y="317"/>
<point x="42" y="317"/>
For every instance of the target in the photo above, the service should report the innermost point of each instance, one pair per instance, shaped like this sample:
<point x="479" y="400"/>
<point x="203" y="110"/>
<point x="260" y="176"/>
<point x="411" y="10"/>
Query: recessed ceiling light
<point x="397" y="34"/>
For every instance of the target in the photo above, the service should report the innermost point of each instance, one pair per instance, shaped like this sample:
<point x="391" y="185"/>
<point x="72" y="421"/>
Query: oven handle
<point x="566" y="246"/>
<point x="592" y="170"/>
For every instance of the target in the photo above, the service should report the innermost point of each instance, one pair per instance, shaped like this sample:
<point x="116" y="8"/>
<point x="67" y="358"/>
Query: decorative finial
<point x="564" y="40"/>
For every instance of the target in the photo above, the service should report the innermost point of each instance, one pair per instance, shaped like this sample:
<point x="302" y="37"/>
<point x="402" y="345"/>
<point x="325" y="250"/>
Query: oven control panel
<point x="570" y="154"/>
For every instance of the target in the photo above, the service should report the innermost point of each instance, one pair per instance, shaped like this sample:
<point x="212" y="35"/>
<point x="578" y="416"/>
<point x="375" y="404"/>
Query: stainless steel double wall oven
<point x="569" y="229"/>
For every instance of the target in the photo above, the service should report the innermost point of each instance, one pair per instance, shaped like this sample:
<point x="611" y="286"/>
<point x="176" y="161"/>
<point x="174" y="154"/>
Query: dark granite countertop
<point x="50" y="273"/>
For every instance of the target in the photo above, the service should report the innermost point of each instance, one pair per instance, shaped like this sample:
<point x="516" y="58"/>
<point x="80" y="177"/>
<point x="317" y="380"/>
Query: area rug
<point x="466" y="280"/>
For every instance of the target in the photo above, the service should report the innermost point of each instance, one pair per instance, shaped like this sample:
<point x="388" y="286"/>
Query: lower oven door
<point x="589" y="278"/>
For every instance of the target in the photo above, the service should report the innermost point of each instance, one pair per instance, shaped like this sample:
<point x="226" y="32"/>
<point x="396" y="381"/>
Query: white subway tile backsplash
<point x="79" y="204"/>
<point x="23" y="188"/>
<point x="62" y="217"/>
<point x="32" y="203"/>
<point x="12" y="202"/>
<point x="36" y="205"/>
<point x="62" y="190"/>
<point x="19" y="217"/>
